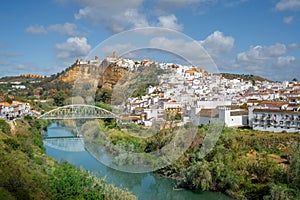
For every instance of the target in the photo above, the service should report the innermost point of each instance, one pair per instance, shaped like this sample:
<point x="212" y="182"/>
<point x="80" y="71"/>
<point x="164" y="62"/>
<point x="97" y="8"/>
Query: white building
<point x="265" y="119"/>
<point x="223" y="115"/>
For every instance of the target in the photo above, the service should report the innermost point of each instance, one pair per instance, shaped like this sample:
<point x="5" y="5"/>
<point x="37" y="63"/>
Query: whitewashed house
<point x="274" y="120"/>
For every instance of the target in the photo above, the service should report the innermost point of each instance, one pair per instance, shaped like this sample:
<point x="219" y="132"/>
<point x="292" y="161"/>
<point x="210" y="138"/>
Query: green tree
<point x="281" y="191"/>
<point x="67" y="182"/>
<point x="294" y="168"/>
<point x="59" y="98"/>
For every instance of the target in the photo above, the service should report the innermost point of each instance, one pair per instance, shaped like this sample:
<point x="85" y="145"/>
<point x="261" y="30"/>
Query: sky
<point x="260" y="37"/>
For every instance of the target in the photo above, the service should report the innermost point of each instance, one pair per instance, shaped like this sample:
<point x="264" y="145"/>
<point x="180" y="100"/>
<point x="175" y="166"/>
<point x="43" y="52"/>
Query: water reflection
<point x="144" y="185"/>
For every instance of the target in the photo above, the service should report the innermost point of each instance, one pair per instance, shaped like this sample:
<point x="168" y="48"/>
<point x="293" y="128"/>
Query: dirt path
<point x="12" y="127"/>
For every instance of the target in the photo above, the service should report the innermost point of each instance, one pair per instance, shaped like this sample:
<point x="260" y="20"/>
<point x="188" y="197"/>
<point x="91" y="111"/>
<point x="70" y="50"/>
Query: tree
<point x="67" y="182"/>
<point x="294" y="169"/>
<point x="59" y="98"/>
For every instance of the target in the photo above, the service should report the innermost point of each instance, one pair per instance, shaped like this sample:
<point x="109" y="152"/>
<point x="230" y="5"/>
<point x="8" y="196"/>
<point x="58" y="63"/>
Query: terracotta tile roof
<point x="208" y="113"/>
<point x="190" y="71"/>
<point x="5" y="104"/>
<point x="138" y="108"/>
<point x="134" y="117"/>
<point x="275" y="111"/>
<point x="275" y="103"/>
<point x="253" y="101"/>
<point x="239" y="113"/>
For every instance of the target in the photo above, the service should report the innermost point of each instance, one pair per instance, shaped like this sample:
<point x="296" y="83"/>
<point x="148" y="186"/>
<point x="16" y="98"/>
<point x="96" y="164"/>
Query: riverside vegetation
<point x="27" y="173"/>
<point x="244" y="163"/>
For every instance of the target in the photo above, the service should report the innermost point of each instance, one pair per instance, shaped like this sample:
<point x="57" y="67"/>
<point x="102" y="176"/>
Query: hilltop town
<point x="192" y="95"/>
<point x="200" y="97"/>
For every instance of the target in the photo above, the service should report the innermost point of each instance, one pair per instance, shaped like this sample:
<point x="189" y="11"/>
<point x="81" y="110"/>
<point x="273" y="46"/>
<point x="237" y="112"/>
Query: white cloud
<point x="262" y="53"/>
<point x="118" y="16"/>
<point x="200" y="6"/>
<point x="170" y="22"/>
<point x="288" y="20"/>
<point x="65" y="29"/>
<point x="201" y="53"/>
<point x="120" y="49"/>
<point x="267" y="61"/>
<point x="233" y="3"/>
<point x="73" y="48"/>
<point x="181" y="3"/>
<point x="294" y="46"/>
<point x="114" y="15"/>
<point x="135" y="18"/>
<point x="191" y="51"/>
<point x="285" y="61"/>
<point x="82" y="13"/>
<point x="217" y="44"/>
<point x="36" y="29"/>
<point x="288" y="5"/>
<point x="284" y="68"/>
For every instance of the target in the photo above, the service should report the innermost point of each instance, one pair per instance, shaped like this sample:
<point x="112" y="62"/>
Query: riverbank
<point x="244" y="163"/>
<point x="28" y="173"/>
<point x="146" y="186"/>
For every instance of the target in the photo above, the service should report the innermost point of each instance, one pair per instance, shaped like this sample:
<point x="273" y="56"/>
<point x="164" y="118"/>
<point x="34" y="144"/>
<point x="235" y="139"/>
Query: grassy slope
<point x="245" y="77"/>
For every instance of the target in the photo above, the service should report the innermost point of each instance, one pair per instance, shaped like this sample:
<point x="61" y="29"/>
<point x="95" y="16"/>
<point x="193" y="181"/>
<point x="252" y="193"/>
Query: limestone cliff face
<point x="90" y="80"/>
<point x="80" y="72"/>
<point x="111" y="76"/>
<point x="70" y="75"/>
<point x="107" y="74"/>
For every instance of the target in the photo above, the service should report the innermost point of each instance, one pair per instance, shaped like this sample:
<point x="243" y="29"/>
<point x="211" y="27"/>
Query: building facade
<point x="274" y="120"/>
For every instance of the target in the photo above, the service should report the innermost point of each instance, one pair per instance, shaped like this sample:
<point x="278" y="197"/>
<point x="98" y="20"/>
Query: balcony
<point x="256" y="122"/>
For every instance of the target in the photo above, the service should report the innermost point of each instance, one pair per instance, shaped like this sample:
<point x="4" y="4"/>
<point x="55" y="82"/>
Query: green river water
<point x="144" y="185"/>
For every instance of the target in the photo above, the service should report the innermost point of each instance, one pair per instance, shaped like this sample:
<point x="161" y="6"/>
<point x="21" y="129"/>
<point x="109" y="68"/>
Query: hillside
<point x="94" y="81"/>
<point x="245" y="77"/>
<point x="22" y="79"/>
<point x="28" y="173"/>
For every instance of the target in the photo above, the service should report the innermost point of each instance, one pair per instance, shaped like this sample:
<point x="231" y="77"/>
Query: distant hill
<point x="245" y="77"/>
<point x="95" y="81"/>
<point x="22" y="78"/>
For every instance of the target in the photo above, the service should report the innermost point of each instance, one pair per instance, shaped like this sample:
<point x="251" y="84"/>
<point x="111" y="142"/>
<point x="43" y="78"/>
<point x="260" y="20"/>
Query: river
<point x="144" y="185"/>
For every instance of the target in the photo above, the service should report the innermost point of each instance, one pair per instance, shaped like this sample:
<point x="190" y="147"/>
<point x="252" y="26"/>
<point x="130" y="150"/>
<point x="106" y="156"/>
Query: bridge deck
<point x="62" y="137"/>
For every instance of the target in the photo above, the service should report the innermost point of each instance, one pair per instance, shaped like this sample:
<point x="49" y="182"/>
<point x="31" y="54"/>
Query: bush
<point x="14" y="144"/>
<point x="69" y="182"/>
<point x="4" y="127"/>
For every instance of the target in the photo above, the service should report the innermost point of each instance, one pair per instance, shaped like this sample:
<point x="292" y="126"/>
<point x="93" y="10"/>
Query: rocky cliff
<point x="111" y="76"/>
<point x="92" y="81"/>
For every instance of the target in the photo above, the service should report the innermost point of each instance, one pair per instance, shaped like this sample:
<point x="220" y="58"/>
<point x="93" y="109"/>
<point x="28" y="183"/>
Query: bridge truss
<point x="78" y="111"/>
